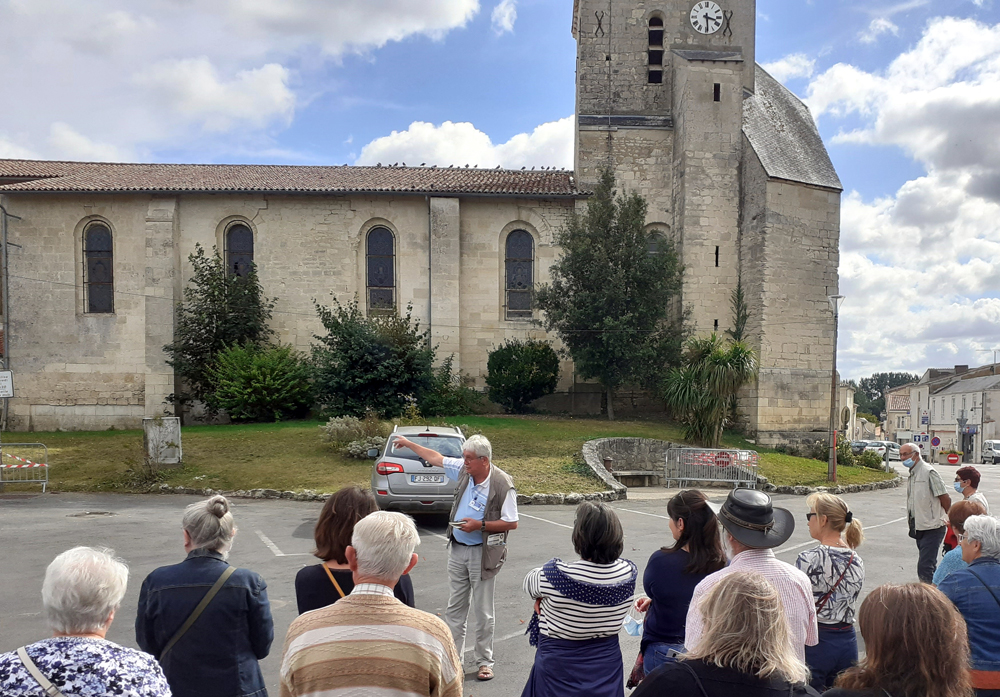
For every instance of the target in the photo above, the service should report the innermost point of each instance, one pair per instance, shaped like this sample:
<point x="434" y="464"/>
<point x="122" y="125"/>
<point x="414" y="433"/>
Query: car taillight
<point x="388" y="468"/>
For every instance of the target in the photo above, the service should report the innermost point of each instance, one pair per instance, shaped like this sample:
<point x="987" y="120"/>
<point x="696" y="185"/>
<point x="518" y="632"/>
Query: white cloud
<point x="921" y="268"/>
<point x="76" y="146"/>
<point x="193" y="90"/>
<point x="460" y="144"/>
<point x="878" y="26"/>
<point x="791" y="66"/>
<point x="503" y="17"/>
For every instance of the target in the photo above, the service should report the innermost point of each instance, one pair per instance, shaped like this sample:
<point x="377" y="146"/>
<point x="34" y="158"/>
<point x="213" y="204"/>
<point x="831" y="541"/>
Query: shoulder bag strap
<point x="694" y="675"/>
<point x="49" y="688"/>
<point x="333" y="580"/>
<point x="196" y="613"/>
<point x="825" y="598"/>
<point x="985" y="584"/>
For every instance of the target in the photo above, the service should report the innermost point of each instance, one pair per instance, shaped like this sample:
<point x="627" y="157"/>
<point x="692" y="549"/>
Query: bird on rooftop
<point x="422" y="164"/>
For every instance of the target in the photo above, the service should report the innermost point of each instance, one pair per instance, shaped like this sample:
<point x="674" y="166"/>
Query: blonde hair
<point x="746" y="630"/>
<point x="836" y="511"/>
<point x="209" y="524"/>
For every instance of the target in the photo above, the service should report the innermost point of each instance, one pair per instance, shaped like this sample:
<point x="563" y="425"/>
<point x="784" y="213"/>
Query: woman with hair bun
<point x="837" y="574"/>
<point x="206" y="622"/>
<point x="673" y="572"/>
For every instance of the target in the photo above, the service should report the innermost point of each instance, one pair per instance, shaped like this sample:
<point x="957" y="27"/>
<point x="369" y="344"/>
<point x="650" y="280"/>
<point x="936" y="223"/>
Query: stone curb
<point x="848" y="489"/>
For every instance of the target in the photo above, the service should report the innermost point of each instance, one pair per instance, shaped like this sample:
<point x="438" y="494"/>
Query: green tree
<point x="698" y="392"/>
<point x="613" y="299"/>
<point x="219" y="310"/>
<point x="260" y="383"/>
<point x="872" y="389"/>
<point x="741" y="313"/>
<point x="519" y="372"/>
<point x="372" y="362"/>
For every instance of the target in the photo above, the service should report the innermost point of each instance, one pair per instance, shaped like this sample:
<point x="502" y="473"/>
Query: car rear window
<point x="446" y="445"/>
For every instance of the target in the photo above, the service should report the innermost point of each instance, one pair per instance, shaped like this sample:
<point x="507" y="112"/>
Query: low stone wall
<point x="646" y="454"/>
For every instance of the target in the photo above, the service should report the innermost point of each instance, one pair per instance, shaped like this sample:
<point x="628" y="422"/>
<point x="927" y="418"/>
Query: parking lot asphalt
<point x="275" y="540"/>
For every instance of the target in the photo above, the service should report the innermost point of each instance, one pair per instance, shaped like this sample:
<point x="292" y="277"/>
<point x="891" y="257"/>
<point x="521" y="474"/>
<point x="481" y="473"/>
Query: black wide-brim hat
<point x="749" y="517"/>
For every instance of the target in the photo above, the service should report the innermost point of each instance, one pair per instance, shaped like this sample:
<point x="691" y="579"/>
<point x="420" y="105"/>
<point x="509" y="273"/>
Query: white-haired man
<point x="369" y="642"/>
<point x="483" y="512"/>
<point x="927" y="504"/>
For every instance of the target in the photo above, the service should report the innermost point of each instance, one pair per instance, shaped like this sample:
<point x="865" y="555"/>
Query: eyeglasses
<point x="809" y="516"/>
<point x="961" y="537"/>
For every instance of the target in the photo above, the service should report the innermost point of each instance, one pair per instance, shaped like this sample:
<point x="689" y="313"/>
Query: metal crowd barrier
<point x="736" y="467"/>
<point x="24" y="463"/>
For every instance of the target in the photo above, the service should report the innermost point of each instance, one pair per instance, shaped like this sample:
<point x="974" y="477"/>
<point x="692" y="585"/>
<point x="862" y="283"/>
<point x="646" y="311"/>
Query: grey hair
<point x="916" y="450"/>
<point x="383" y="543"/>
<point x="82" y="587"/>
<point x="985" y="530"/>
<point x="479" y="446"/>
<point x="209" y="524"/>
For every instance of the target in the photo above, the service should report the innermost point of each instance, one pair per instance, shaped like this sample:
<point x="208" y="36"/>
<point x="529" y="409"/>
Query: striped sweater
<point x="562" y="618"/>
<point x="370" y="645"/>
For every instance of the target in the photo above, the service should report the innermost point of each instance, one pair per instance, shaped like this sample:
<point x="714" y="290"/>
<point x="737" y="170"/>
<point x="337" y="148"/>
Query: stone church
<point x="668" y="94"/>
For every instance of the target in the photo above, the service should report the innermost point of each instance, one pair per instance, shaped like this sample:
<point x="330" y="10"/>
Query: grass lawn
<point x="541" y="453"/>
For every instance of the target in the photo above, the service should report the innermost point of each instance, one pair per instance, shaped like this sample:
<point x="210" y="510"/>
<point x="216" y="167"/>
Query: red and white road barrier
<point x="27" y="463"/>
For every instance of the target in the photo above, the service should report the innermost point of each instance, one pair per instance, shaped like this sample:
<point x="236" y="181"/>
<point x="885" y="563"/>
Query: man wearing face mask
<point x="927" y="504"/>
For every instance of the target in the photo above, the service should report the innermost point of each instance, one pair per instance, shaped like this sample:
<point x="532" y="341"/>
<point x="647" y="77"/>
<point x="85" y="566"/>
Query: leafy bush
<point x="520" y="372"/>
<point x="366" y="363"/>
<point x="819" y="450"/>
<point x="260" y="383"/>
<point x="870" y="459"/>
<point x="450" y="394"/>
<point x="844" y="455"/>
<point x="341" y="429"/>
<point x="358" y="449"/>
<point x="219" y="310"/>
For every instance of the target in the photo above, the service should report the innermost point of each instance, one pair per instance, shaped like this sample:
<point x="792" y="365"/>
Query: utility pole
<point x="5" y="289"/>
<point x="831" y="473"/>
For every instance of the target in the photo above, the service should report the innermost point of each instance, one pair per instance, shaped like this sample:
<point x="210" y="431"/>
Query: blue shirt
<point x="472" y="504"/>
<point x="979" y="608"/>
<point x="670" y="588"/>
<point x="950" y="562"/>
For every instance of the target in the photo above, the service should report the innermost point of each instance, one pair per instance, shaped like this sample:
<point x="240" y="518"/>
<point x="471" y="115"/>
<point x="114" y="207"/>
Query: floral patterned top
<point x="824" y="565"/>
<point x="83" y="667"/>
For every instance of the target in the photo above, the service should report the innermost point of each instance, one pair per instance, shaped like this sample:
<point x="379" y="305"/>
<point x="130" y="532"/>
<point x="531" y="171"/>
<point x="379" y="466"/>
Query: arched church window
<point x="519" y="261"/>
<point x="381" y="270"/>
<point x="99" y="259"/>
<point x="239" y="249"/>
<point x="654" y="53"/>
<point x="656" y="243"/>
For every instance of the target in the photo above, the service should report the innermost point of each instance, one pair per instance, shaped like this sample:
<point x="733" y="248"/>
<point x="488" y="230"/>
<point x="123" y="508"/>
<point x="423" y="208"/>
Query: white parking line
<point x="652" y="515"/>
<point x="544" y="520"/>
<point x="504" y="637"/>
<point x="433" y="534"/>
<point x="274" y="548"/>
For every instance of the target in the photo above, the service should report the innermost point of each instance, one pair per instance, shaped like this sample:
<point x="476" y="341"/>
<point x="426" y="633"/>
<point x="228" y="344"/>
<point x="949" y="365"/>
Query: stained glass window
<point x="239" y="250"/>
<point x="381" y="270"/>
<point x="98" y="253"/>
<point x="519" y="261"/>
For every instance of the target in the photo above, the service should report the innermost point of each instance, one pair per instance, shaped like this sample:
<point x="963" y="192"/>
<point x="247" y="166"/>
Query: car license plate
<point x="427" y="478"/>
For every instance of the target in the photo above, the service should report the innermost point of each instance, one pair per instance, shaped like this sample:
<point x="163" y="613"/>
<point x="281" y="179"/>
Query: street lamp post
<point x="831" y="473"/>
<point x="960" y="440"/>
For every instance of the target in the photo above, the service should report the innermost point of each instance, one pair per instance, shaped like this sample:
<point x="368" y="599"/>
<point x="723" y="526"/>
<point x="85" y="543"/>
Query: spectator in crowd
<point x="837" y="574"/>
<point x="975" y="591"/>
<point x="957" y="515"/>
<point x="579" y="609"/>
<point x="370" y="643"/>
<point x="967" y="484"/>
<point x="673" y="572"/>
<point x="485" y="506"/>
<point x="927" y="504"/>
<point x="752" y="528"/>
<point x="319" y="585"/>
<point x="745" y="649"/>
<point x="208" y="623"/>
<point x="82" y="590"/>
<point x="915" y="646"/>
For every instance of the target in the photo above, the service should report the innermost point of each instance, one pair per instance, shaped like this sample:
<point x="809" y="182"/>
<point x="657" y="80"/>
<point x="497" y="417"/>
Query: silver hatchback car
<point x="401" y="481"/>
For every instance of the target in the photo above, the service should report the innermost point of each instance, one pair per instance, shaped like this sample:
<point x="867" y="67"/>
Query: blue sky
<point x="905" y="92"/>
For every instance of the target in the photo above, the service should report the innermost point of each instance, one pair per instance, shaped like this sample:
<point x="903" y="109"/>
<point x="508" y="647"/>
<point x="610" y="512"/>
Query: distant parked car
<point x="402" y="481"/>
<point x="991" y="452"/>
<point x="858" y="446"/>
<point x="880" y="447"/>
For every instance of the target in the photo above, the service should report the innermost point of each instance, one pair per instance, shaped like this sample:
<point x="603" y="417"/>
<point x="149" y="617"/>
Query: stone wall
<point x="646" y="454"/>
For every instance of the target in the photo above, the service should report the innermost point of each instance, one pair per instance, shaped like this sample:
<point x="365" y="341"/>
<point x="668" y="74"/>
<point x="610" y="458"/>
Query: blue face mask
<point x="909" y="463"/>
<point x="958" y="487"/>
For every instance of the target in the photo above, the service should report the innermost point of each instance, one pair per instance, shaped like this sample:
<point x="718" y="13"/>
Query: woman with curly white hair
<point x="82" y="590"/>
<point x="744" y="650"/>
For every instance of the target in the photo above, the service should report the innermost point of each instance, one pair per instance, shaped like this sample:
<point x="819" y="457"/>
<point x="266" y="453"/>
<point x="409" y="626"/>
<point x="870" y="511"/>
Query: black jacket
<point x="679" y="680"/>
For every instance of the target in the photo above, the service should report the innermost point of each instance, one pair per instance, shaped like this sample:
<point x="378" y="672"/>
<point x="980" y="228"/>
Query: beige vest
<point x="500" y="483"/>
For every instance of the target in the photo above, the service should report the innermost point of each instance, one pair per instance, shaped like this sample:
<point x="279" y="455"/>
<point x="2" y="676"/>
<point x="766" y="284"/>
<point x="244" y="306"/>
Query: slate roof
<point x="990" y="382"/>
<point x="168" y="178"/>
<point x="897" y="402"/>
<point x="783" y="134"/>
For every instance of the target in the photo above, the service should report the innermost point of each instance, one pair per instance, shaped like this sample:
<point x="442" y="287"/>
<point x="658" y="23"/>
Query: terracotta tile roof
<point x="897" y="402"/>
<point x="116" y="177"/>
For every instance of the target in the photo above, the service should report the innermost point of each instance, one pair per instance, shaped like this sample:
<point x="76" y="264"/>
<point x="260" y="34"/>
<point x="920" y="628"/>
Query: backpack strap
<point x="50" y="689"/>
<point x="196" y="613"/>
<point x="697" y="680"/>
<point x="333" y="580"/>
<point x="985" y="584"/>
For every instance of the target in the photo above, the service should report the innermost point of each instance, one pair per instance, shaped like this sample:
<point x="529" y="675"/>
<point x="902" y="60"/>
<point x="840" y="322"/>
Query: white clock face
<point x="706" y="17"/>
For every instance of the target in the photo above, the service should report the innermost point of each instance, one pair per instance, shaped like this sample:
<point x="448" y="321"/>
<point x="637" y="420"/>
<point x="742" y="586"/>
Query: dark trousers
<point x="928" y="544"/>
<point x="836" y="651"/>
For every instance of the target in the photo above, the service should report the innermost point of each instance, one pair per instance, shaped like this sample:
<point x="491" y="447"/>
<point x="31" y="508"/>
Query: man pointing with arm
<point x="486" y="506"/>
